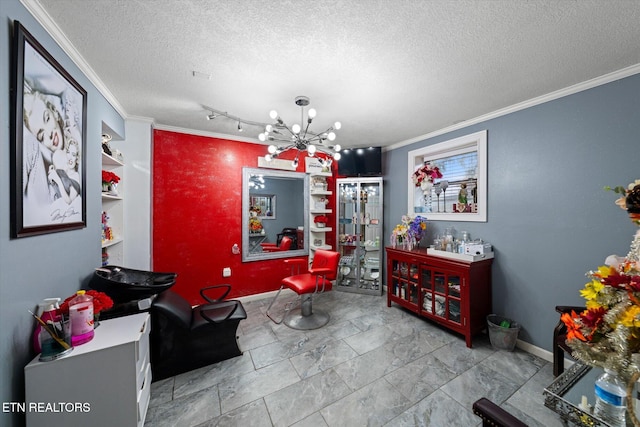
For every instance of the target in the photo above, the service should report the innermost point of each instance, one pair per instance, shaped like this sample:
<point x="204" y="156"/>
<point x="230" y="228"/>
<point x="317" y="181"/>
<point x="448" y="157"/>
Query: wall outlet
<point x="226" y="272"/>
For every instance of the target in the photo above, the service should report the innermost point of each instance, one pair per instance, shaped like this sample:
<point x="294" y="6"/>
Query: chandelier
<point x="291" y="137"/>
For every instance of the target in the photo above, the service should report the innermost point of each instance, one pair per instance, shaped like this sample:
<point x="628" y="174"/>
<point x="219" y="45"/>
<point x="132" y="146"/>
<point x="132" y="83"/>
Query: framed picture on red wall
<point x="48" y="130"/>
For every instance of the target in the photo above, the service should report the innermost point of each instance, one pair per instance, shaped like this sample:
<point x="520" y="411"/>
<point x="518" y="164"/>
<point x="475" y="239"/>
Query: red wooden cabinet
<point x="454" y="293"/>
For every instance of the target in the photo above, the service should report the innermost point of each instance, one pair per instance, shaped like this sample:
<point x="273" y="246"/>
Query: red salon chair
<point x="318" y="279"/>
<point x="285" y="245"/>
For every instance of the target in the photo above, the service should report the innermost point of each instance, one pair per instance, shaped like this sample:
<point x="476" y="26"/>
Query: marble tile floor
<point x="370" y="366"/>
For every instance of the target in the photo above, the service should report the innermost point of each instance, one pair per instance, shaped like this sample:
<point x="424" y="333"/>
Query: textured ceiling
<point x="389" y="70"/>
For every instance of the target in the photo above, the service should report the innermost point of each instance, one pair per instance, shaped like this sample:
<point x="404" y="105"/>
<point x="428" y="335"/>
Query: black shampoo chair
<point x="184" y="338"/>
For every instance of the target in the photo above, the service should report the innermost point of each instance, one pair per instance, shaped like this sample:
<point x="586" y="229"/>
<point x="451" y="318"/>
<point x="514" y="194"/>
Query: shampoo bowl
<point x="126" y="284"/>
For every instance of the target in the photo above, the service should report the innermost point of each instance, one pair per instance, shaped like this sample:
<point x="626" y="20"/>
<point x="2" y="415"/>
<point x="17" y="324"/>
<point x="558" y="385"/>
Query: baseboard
<point x="522" y="345"/>
<point x="264" y="295"/>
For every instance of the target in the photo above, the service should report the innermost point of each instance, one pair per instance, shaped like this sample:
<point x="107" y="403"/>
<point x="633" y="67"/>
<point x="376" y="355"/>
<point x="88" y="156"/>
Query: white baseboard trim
<point x="522" y="345"/>
<point x="270" y="294"/>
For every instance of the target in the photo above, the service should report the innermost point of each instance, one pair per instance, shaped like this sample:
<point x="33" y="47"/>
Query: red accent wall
<point x="197" y="214"/>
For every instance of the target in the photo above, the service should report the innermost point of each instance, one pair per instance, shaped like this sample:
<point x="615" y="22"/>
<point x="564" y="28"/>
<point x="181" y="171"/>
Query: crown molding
<point x="589" y="84"/>
<point x="209" y="134"/>
<point x="59" y="37"/>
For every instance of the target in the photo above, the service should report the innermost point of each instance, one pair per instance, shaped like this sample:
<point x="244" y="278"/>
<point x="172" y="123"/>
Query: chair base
<point x="296" y="320"/>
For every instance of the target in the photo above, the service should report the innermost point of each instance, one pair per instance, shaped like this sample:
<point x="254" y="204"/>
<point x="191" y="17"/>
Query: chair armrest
<point x="226" y="287"/>
<point x="494" y="415"/>
<point x="229" y="308"/>
<point x="322" y="271"/>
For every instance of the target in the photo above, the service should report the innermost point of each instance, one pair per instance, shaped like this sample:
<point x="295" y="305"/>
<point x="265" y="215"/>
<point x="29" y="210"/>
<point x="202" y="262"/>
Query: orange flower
<point x="573" y="329"/>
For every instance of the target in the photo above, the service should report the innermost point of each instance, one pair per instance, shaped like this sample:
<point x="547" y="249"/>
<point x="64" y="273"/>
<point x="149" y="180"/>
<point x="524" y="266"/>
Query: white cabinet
<point x="113" y="215"/>
<point x="105" y="382"/>
<point x="319" y="195"/>
<point x="359" y="226"/>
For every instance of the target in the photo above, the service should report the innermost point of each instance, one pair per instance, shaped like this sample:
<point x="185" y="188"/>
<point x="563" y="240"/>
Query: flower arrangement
<point x="607" y="333"/>
<point x="101" y="302"/>
<point x="110" y="177"/>
<point x="426" y="174"/>
<point x="321" y="220"/>
<point x="409" y="232"/>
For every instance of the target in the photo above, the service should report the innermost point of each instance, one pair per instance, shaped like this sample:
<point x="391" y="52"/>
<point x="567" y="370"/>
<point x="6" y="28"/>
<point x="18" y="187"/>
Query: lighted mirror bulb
<point x="268" y="157"/>
<point x="262" y="137"/>
<point x="295" y="128"/>
<point x="311" y="149"/>
<point x="268" y="128"/>
<point x="337" y="125"/>
<point x="337" y="156"/>
<point x="337" y="148"/>
<point x="331" y="136"/>
<point x="273" y="114"/>
<point x="311" y="113"/>
<point x="272" y="149"/>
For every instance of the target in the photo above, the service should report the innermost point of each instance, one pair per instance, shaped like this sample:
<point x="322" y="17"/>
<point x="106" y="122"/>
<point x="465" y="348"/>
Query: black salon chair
<point x="184" y="338"/>
<point x="493" y="415"/>
<point x="291" y="233"/>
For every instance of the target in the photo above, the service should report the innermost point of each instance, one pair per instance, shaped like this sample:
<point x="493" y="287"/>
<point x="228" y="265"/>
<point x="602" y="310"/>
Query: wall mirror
<point x="260" y="190"/>
<point x="448" y="181"/>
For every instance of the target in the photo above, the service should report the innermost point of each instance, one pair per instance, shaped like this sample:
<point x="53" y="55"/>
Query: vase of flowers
<point x="607" y="333"/>
<point x="408" y="233"/>
<point x="110" y="182"/>
<point x="101" y="302"/>
<point x="424" y="178"/>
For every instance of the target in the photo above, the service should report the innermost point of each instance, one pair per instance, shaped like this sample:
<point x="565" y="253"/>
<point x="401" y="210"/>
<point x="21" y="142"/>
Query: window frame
<point x="473" y="142"/>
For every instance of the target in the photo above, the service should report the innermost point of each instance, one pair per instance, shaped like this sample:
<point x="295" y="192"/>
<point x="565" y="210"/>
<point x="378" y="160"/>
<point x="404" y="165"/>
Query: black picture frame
<point x="48" y="142"/>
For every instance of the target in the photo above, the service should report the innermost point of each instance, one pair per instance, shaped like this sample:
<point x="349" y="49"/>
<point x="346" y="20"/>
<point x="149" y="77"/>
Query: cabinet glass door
<point x="441" y="294"/>
<point x="359" y="228"/>
<point x="404" y="286"/>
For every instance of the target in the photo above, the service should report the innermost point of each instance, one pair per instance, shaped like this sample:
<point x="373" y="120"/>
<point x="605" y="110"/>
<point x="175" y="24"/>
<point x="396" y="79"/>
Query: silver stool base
<point x="298" y="321"/>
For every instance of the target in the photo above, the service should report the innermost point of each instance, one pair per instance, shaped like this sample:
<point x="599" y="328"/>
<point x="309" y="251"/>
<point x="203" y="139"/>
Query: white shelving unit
<point x="317" y="193"/>
<point x="113" y="206"/>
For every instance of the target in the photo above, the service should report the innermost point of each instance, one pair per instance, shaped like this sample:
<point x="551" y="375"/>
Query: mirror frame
<point x="473" y="142"/>
<point x="246" y="174"/>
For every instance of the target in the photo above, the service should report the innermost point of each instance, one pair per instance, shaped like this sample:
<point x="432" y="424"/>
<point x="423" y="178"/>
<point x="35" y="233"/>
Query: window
<point x="460" y="194"/>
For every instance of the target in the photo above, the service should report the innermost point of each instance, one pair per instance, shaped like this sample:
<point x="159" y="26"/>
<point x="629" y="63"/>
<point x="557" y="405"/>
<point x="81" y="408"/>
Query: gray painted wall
<point x="549" y="219"/>
<point x="51" y="265"/>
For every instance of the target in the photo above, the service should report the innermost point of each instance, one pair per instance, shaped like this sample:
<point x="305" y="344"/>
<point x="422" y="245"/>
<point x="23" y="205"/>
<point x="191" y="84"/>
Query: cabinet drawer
<point x="144" y="395"/>
<point x="142" y="346"/>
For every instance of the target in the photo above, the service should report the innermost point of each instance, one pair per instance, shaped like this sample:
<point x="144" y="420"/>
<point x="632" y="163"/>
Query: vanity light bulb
<point x="262" y="137"/>
<point x="273" y="114"/>
<point x="337" y="156"/>
<point x="337" y="125"/>
<point x="337" y="148"/>
<point x="311" y="113"/>
<point x="268" y="157"/>
<point x="331" y="136"/>
<point x="295" y="128"/>
<point x="272" y="149"/>
<point x="268" y="128"/>
<point x="311" y="149"/>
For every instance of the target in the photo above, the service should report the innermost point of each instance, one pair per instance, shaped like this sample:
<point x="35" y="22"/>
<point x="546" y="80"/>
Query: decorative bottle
<point x="81" y="316"/>
<point x="611" y="396"/>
